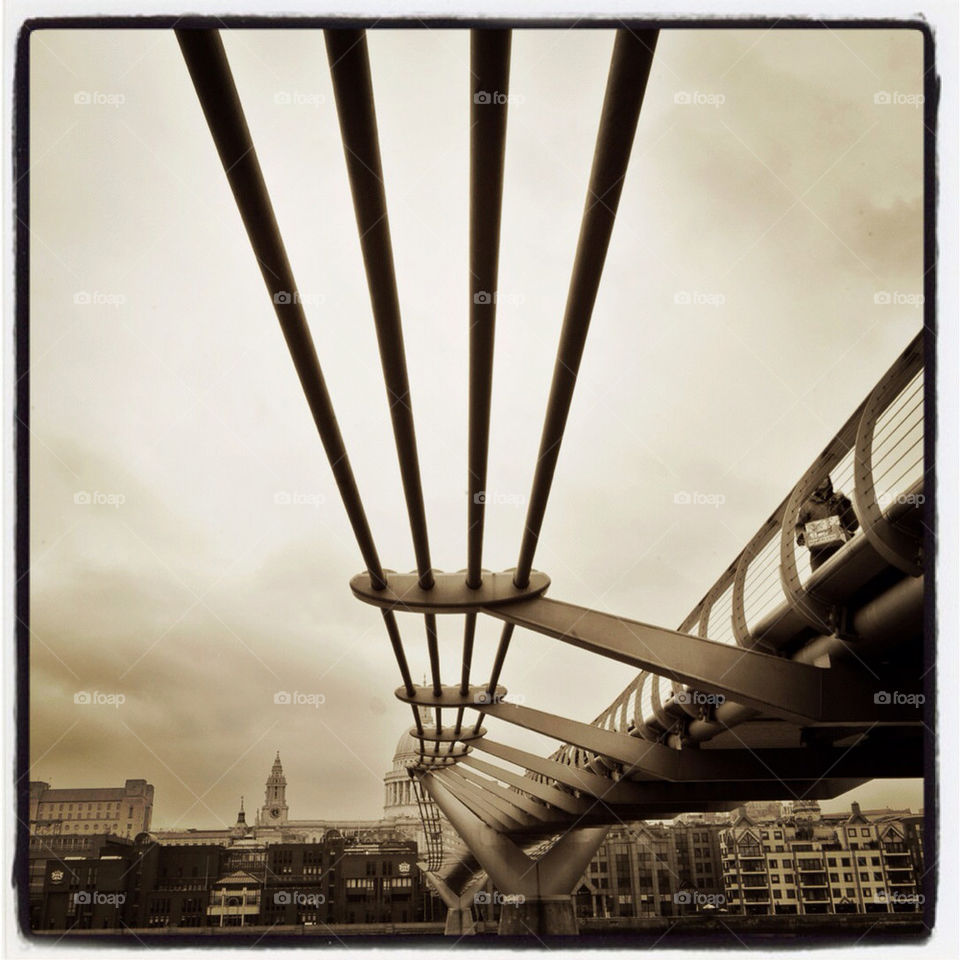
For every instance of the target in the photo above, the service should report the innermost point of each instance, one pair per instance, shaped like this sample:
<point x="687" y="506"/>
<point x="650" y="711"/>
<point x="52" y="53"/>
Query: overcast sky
<point x="779" y="201"/>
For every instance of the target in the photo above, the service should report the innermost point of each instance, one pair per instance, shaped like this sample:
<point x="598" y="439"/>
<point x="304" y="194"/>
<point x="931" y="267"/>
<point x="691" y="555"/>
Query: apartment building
<point x="807" y="864"/>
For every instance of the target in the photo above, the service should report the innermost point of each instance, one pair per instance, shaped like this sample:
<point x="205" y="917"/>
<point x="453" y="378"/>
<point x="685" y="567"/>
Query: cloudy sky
<point x="773" y="185"/>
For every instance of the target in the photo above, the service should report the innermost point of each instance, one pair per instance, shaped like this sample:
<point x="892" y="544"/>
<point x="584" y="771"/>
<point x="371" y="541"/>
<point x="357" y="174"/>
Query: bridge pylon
<point x="536" y="894"/>
<point x="459" y="906"/>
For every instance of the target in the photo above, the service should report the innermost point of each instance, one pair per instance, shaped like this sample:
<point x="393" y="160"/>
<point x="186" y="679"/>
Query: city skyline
<point x="252" y="801"/>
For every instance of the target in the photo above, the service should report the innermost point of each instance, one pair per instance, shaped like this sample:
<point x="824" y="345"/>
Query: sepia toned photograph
<point x="476" y="484"/>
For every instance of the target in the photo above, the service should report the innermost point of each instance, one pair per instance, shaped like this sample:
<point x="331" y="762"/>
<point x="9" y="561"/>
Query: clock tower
<point x="274" y="810"/>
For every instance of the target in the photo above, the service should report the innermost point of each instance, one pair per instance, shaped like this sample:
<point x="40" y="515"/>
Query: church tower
<point x="274" y="810"/>
<point x="240" y="828"/>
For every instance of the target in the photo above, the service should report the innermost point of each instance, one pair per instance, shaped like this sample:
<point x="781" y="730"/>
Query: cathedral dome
<point x="400" y="798"/>
<point x="408" y="750"/>
<point x="408" y="746"/>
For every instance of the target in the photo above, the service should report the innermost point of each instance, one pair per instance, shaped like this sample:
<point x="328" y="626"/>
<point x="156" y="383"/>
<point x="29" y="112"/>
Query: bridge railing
<point x="769" y="597"/>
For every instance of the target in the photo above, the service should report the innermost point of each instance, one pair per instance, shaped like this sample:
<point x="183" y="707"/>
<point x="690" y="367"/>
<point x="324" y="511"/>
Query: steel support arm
<point x="481" y="805"/>
<point x="797" y="692"/>
<point x="512" y="798"/>
<point x="497" y="800"/>
<point x="877" y="757"/>
<point x="534" y="788"/>
<point x="625" y="796"/>
<point x="665" y="801"/>
<point x="558" y="799"/>
<point x="614" y="791"/>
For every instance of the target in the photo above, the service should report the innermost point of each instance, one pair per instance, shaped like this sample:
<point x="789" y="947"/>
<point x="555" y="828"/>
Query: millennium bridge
<point x="784" y="681"/>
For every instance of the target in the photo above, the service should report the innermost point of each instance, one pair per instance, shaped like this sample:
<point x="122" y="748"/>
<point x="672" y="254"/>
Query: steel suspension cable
<point x="501" y="655"/>
<point x="490" y="70"/>
<point x="216" y="90"/>
<point x="626" y="84"/>
<point x="490" y="73"/>
<point x="356" y="110"/>
<point x="213" y="81"/>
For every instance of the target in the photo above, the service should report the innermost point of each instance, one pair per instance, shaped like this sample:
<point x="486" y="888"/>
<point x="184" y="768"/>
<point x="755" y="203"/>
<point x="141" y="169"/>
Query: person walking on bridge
<point x="825" y="504"/>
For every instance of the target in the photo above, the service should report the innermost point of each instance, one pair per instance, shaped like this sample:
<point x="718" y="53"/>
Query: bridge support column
<point x="459" y="906"/>
<point x="536" y="895"/>
<point x="551" y="916"/>
<point x="459" y="922"/>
